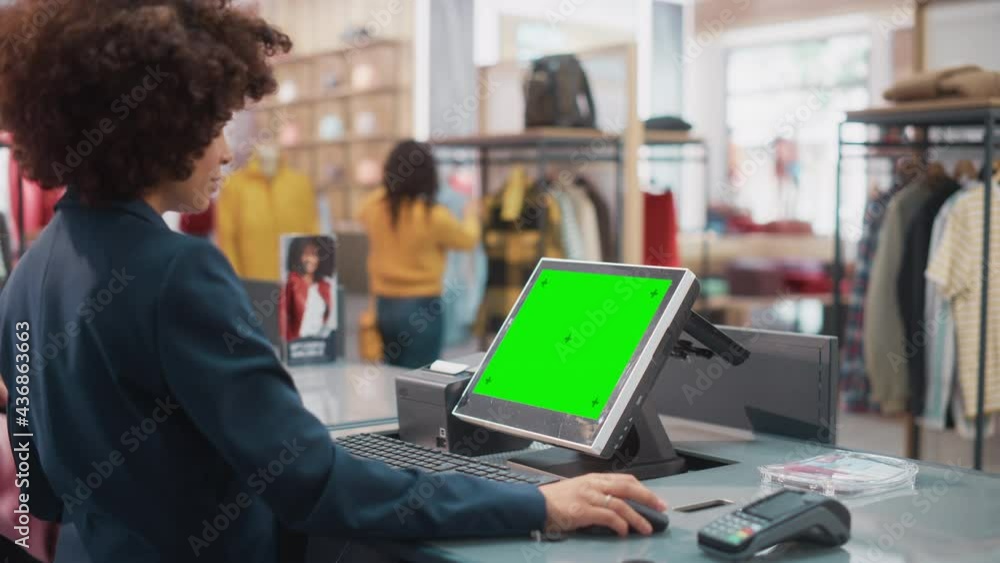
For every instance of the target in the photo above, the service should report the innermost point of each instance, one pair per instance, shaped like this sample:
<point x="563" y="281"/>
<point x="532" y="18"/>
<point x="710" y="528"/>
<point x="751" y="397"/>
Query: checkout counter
<point x="772" y="400"/>
<point x="952" y="516"/>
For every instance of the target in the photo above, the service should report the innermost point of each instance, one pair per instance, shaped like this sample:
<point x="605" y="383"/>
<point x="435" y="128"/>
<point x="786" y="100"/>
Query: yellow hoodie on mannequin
<point x="255" y="210"/>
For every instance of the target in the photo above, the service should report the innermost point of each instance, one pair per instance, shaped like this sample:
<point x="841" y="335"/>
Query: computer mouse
<point x="659" y="521"/>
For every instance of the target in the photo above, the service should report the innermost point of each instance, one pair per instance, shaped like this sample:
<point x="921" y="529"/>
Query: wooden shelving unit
<point x="337" y="115"/>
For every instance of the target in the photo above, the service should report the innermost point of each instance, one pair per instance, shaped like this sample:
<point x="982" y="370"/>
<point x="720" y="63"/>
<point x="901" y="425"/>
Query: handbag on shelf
<point x="557" y="94"/>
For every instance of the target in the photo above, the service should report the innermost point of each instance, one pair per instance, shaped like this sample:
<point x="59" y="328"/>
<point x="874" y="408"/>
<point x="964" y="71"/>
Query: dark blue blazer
<point x="164" y="426"/>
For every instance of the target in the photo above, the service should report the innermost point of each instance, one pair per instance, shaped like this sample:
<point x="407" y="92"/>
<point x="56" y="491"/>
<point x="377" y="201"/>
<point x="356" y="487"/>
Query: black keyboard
<point x="404" y="455"/>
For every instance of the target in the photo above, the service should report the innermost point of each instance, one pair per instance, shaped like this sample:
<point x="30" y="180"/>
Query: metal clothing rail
<point x="927" y="116"/>
<point x="679" y="139"/>
<point x="545" y="146"/>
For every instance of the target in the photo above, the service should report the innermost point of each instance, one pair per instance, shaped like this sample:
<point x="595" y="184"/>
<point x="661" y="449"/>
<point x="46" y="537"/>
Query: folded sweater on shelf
<point x="967" y="81"/>
<point x="978" y="84"/>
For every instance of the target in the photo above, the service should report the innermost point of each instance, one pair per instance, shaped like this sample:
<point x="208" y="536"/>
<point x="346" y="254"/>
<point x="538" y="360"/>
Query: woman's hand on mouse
<point x="597" y="500"/>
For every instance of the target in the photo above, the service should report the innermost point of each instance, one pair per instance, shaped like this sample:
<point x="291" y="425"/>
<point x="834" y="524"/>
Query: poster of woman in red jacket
<point x="308" y="305"/>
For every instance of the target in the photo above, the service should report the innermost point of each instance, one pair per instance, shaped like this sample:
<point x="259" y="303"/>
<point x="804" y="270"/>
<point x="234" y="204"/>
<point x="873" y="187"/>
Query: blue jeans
<point x="412" y="329"/>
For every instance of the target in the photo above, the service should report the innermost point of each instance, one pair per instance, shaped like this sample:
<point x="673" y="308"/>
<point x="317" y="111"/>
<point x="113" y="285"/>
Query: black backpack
<point x="557" y="94"/>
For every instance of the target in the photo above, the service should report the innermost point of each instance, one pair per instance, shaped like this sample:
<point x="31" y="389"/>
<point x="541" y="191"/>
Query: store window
<point x="536" y="39"/>
<point x="783" y="105"/>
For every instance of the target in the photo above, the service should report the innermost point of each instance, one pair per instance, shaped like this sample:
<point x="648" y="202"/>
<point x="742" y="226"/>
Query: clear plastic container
<point x="843" y="474"/>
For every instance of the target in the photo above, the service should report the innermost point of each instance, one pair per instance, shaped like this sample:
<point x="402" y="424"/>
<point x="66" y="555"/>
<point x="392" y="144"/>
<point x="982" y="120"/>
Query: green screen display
<point x="571" y="341"/>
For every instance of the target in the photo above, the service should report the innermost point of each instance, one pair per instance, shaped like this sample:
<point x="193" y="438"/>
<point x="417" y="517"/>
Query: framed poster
<point x="309" y="304"/>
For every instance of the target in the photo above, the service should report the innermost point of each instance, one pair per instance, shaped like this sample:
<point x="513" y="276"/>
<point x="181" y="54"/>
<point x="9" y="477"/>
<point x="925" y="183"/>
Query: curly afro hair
<point x="116" y="96"/>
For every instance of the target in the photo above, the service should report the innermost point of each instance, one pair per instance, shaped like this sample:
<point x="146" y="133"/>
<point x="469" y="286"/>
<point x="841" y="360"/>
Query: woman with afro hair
<point x="159" y="426"/>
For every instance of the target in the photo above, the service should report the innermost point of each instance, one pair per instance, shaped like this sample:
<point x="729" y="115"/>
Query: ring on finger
<point x="607" y="500"/>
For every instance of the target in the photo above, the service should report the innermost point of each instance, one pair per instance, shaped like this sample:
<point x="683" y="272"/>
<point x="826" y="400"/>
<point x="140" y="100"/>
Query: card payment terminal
<point x="784" y="516"/>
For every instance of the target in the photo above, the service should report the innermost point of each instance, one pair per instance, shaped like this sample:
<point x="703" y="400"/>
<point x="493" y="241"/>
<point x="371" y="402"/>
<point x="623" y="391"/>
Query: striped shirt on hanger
<point x="956" y="267"/>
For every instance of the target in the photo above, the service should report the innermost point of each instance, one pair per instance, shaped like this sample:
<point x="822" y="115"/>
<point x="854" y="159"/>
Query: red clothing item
<point x="292" y="304"/>
<point x="199" y="224"/>
<point x="39" y="205"/>
<point x="660" y="231"/>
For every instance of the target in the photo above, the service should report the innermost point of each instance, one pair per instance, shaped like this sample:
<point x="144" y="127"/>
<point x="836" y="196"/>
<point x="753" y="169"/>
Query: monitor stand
<point x="646" y="453"/>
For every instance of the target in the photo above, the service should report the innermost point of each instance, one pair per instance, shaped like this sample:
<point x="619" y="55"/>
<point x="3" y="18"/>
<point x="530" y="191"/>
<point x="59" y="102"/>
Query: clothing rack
<point x="544" y="145"/>
<point x="928" y="116"/>
<point x="654" y="139"/>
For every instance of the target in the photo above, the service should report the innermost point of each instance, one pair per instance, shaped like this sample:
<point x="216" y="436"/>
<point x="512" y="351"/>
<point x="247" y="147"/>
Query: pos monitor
<point x="576" y="357"/>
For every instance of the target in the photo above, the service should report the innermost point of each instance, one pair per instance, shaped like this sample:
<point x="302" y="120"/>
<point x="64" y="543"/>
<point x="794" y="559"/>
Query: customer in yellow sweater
<point x="258" y="204"/>
<point x="409" y="235"/>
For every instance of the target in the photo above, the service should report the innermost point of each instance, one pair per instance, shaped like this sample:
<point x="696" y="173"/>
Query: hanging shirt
<point x="254" y="211"/>
<point x="522" y="225"/>
<point x="586" y="216"/>
<point x="911" y="287"/>
<point x="660" y="230"/>
<point x="464" y="277"/>
<point x="855" y="388"/>
<point x="965" y="422"/>
<point x="572" y="234"/>
<point x="606" y="224"/>
<point x="956" y="268"/>
<point x="885" y="340"/>
<point x="941" y="363"/>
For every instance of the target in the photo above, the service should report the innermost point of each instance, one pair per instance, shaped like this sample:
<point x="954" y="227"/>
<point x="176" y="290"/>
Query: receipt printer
<point x="424" y="400"/>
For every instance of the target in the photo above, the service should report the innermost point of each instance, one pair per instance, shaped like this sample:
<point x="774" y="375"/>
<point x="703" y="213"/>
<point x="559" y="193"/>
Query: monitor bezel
<point x="636" y="377"/>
